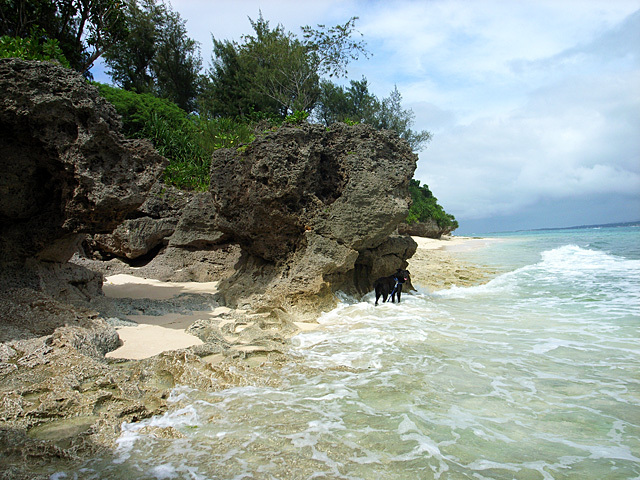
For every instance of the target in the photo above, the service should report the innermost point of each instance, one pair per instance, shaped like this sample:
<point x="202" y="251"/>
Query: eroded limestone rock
<point x="66" y="168"/>
<point x="310" y="206"/>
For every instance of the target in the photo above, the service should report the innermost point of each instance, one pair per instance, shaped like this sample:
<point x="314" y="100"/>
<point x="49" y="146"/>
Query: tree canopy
<point x="83" y="30"/>
<point x="270" y="73"/>
<point x="156" y="55"/>
<point x="275" y="72"/>
<point x="356" y="104"/>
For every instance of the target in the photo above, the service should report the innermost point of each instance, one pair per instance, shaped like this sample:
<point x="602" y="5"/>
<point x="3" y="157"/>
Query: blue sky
<point x="534" y="104"/>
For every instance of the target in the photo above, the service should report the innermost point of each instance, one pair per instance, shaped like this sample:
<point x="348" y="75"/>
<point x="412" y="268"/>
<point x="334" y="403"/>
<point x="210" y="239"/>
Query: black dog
<point x="392" y="285"/>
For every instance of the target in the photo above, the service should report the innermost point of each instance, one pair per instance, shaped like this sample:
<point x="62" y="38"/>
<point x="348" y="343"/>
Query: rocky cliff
<point x="428" y="229"/>
<point x="66" y="169"/>
<point x="313" y="209"/>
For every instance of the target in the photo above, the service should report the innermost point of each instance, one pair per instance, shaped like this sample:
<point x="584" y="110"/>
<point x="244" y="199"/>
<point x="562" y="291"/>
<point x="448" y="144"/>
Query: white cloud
<point x="566" y="126"/>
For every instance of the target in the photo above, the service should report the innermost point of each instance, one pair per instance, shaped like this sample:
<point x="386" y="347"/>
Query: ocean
<point x="533" y="375"/>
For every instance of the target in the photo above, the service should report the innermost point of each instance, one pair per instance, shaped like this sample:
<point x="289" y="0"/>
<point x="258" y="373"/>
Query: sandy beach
<point x="433" y="267"/>
<point x="450" y="243"/>
<point x="156" y="333"/>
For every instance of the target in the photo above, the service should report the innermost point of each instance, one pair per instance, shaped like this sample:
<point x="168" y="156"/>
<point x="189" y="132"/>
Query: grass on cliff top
<point x="187" y="141"/>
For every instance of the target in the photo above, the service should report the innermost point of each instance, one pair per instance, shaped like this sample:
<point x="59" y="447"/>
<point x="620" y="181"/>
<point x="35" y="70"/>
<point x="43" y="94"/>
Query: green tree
<point x="340" y="104"/>
<point x="156" y="55"/>
<point x="283" y="70"/>
<point x="84" y="29"/>
<point x="333" y="104"/>
<point x="227" y="87"/>
<point x="32" y="48"/>
<point x="391" y="116"/>
<point x="332" y="48"/>
<point x="364" y="104"/>
<point x="275" y="72"/>
<point x="177" y="64"/>
<point x="356" y="103"/>
<point x="268" y="72"/>
<point x="129" y="64"/>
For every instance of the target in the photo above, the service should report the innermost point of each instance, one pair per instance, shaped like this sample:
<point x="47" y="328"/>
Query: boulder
<point x="197" y="226"/>
<point x="311" y="207"/>
<point x="428" y="229"/>
<point x="66" y="167"/>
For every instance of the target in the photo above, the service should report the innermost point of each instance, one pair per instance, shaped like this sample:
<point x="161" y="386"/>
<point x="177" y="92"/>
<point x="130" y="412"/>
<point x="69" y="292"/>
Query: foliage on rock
<point x="186" y="141"/>
<point x="425" y="207"/>
<point x="32" y="48"/>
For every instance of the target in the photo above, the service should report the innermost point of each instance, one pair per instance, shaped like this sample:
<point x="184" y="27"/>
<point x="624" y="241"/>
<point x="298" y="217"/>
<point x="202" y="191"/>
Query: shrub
<point x="186" y="141"/>
<point x="32" y="48"/>
<point x="425" y="206"/>
<point x="223" y="133"/>
<point x="138" y="109"/>
<point x="173" y="133"/>
<point x="297" y="118"/>
<point x="189" y="163"/>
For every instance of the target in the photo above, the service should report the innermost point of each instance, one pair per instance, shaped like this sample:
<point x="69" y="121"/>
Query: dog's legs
<point x="399" y="292"/>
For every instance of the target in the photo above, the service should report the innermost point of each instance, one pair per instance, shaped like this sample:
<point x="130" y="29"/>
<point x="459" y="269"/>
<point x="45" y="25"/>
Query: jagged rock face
<point x="146" y="228"/>
<point x="172" y="236"/>
<point x="308" y="204"/>
<point x="347" y="183"/>
<point x="170" y="217"/>
<point x="66" y="169"/>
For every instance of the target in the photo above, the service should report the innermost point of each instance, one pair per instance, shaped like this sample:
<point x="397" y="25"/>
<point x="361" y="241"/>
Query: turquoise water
<point x="534" y="375"/>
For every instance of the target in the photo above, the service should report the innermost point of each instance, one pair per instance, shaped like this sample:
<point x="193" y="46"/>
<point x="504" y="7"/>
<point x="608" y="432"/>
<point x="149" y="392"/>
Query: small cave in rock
<point x="90" y="250"/>
<point x="145" y="259"/>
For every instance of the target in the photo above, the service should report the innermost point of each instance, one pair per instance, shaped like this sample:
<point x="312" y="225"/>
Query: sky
<point x="534" y="105"/>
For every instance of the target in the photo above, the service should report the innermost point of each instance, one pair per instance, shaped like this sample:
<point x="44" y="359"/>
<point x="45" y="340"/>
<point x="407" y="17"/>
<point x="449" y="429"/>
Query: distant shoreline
<point x="575" y="227"/>
<point x="604" y="225"/>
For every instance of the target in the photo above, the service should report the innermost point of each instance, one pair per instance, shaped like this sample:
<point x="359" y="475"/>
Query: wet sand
<point x="435" y="265"/>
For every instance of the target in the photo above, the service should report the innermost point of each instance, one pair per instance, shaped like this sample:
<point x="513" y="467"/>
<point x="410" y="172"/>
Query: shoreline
<point x="432" y="267"/>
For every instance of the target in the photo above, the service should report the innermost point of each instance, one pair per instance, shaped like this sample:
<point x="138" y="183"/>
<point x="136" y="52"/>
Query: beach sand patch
<point x="155" y="334"/>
